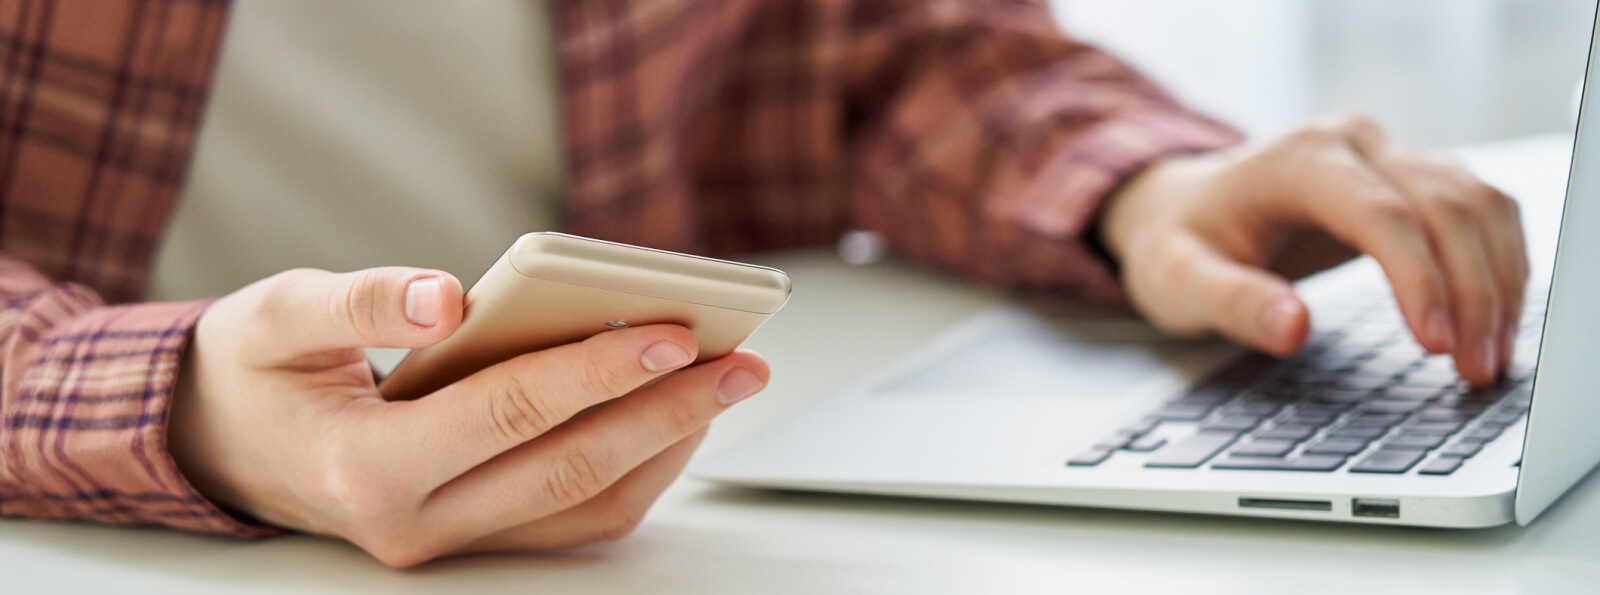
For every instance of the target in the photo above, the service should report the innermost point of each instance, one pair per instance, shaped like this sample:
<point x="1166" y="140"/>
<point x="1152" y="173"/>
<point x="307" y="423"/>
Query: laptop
<point x="1021" y="405"/>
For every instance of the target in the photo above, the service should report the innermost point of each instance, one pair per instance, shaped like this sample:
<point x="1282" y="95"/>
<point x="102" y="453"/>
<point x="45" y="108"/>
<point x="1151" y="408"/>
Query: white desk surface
<point x="843" y="323"/>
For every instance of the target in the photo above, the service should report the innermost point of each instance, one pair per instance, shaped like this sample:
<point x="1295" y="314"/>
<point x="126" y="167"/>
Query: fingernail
<point x="422" y="301"/>
<point x="663" y="356"/>
<point x="1275" y="322"/>
<point x="1438" y="327"/>
<point x="1490" y="355"/>
<point x="737" y="385"/>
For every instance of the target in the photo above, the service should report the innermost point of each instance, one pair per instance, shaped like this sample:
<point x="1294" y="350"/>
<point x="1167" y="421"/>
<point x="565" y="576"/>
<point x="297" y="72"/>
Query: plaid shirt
<point x="969" y="133"/>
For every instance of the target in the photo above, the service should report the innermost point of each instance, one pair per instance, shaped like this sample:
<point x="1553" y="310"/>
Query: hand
<point x="1209" y="242"/>
<point x="276" y="415"/>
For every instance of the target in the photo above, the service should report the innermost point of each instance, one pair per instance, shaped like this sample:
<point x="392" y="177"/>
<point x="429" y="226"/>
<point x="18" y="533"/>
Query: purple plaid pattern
<point x="970" y="133"/>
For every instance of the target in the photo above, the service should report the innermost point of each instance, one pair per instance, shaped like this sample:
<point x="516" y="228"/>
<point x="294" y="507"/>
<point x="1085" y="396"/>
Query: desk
<point x="843" y="323"/>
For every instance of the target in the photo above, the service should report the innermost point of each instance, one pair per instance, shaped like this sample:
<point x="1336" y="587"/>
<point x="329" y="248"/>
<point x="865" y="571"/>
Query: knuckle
<point x="1500" y="206"/>
<point x="356" y="303"/>
<point x="1456" y="206"/>
<point x="1313" y="134"/>
<point x="682" y="419"/>
<point x="273" y="293"/>
<point x="517" y="413"/>
<point x="1357" y="122"/>
<point x="597" y="376"/>
<point x="1393" y="209"/>
<point x="575" y="478"/>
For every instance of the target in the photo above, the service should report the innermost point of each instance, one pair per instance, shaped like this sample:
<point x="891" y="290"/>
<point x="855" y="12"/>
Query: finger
<point x="579" y="460"/>
<point x="1477" y="233"/>
<point x="612" y="515"/>
<point x="1246" y="304"/>
<point x="1511" y="251"/>
<point x="306" y="311"/>
<point x="1341" y="193"/>
<point x="501" y="407"/>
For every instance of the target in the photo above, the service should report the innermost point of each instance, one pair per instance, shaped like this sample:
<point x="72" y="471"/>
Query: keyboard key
<point x="1414" y="442"/>
<point x="1302" y="418"/>
<point x="1146" y="444"/>
<point x="1481" y="435"/>
<point x="1232" y="423"/>
<point x="1090" y="458"/>
<point x="1498" y="425"/>
<point x="1388" y="461"/>
<point x="1179" y="411"/>
<point x="1303" y="463"/>
<point x="1244" y="372"/>
<point x="1375" y="419"/>
<point x="1191" y="452"/>
<point x="1438" y="413"/>
<point x="1253" y="408"/>
<point x="1411" y="393"/>
<point x="1315" y="377"/>
<point x="1294" y="432"/>
<point x="1435" y="427"/>
<point x="1263" y="448"/>
<point x="1430" y="378"/>
<point x="1441" y="466"/>
<point x="1358" y="432"/>
<point x="1336" y="395"/>
<point x="1385" y="367"/>
<point x="1212" y="395"/>
<point x="1462" y="449"/>
<point x="1318" y="408"/>
<point x="1336" y="446"/>
<point x="1358" y="382"/>
<point x="1394" y="406"/>
<point x="1460" y="403"/>
<point x="1504" y="416"/>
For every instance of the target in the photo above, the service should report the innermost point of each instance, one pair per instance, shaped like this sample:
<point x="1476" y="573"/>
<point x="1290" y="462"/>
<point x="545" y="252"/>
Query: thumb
<point x="1251" y="306"/>
<point x="308" y="311"/>
<point x="1246" y="304"/>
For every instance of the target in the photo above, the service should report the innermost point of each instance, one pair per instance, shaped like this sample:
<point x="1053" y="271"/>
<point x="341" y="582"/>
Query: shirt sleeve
<point x="85" y="392"/>
<point x="987" y="140"/>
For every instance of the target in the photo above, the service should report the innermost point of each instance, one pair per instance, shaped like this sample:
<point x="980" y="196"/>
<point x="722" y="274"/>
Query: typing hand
<point x="277" y="416"/>
<point x="1208" y="242"/>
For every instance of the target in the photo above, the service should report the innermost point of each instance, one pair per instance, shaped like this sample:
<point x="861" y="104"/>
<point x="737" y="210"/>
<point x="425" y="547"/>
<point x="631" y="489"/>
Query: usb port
<point x="1375" y="507"/>
<point x="1282" y="504"/>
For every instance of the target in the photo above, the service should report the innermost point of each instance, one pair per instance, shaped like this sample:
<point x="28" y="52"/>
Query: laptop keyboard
<point x="1362" y="397"/>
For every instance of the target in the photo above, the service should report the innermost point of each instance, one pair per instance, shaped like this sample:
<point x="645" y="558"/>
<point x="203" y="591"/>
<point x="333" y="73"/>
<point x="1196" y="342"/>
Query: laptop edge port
<point x="1282" y="504"/>
<point x="1375" y="507"/>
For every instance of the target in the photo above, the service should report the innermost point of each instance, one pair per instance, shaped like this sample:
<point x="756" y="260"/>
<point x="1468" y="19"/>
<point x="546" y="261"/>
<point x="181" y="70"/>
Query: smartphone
<point x="551" y="289"/>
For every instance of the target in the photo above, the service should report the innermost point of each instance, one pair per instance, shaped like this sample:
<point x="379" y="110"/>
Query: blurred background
<point x="1438" y="72"/>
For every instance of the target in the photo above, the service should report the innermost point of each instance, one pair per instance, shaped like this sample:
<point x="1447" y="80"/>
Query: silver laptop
<point x="1362" y="426"/>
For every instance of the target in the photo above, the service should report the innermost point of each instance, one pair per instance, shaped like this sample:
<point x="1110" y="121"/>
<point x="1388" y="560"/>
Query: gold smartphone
<point x="551" y="288"/>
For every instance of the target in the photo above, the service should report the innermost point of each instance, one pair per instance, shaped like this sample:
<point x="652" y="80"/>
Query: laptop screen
<point x="1561" y="444"/>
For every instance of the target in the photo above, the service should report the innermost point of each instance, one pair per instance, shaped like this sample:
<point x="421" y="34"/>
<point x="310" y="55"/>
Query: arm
<point x="992" y="146"/>
<point x="985" y="141"/>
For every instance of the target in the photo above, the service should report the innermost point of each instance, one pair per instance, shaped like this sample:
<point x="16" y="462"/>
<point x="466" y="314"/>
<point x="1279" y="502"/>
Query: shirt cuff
<point x="85" y="433"/>
<point x="1058" y="203"/>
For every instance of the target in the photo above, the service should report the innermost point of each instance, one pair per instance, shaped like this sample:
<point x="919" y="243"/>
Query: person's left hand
<point x="1210" y="242"/>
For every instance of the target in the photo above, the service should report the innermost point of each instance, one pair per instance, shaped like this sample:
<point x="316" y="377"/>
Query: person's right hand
<point x="276" y="416"/>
